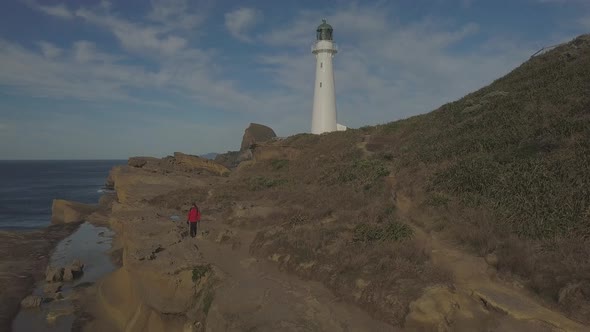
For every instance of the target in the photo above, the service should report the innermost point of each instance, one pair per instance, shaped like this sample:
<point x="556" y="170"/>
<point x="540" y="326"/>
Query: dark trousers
<point x="193" y="229"/>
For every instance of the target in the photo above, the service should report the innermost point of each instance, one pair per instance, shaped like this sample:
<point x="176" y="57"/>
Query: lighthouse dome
<point x="324" y="31"/>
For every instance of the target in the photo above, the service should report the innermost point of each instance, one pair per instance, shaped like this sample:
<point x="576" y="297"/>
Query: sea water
<point x="27" y="188"/>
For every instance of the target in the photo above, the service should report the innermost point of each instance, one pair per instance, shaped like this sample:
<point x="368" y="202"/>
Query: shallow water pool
<point x="90" y="245"/>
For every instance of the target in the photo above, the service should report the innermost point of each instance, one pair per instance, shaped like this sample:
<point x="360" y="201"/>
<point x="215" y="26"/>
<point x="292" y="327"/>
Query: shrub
<point x="200" y="271"/>
<point x="260" y="182"/>
<point x="207" y="301"/>
<point x="278" y="164"/>
<point x="390" y="231"/>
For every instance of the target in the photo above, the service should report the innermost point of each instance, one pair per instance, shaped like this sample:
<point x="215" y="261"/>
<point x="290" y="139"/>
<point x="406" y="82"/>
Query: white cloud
<point x="49" y="50"/>
<point x="175" y="14"/>
<point x="584" y="22"/>
<point x="58" y="11"/>
<point x="85" y="51"/>
<point x="240" y="21"/>
<point x="136" y="37"/>
<point x="32" y="73"/>
<point x="385" y="69"/>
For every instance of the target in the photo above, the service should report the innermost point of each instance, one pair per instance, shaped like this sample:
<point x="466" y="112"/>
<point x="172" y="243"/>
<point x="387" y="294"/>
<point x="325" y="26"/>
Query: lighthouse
<point x="324" y="99"/>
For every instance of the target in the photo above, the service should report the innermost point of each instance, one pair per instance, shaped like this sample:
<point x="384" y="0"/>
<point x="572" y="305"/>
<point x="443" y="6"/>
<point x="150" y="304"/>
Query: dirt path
<point x="474" y="276"/>
<point x="256" y="296"/>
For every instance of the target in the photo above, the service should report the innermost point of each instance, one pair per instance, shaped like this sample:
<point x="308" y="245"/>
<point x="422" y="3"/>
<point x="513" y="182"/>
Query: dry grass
<point x="381" y="275"/>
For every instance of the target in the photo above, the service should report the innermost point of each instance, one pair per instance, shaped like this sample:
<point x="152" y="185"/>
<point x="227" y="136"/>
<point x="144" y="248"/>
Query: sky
<point x="113" y="79"/>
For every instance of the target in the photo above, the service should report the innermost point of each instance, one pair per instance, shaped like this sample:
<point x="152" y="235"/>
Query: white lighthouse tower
<point x="324" y="99"/>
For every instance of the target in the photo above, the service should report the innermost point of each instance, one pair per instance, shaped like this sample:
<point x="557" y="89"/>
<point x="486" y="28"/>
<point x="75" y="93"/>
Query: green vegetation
<point x="503" y="170"/>
<point x="208" y="300"/>
<point x="390" y="231"/>
<point x="363" y="173"/>
<point x="200" y="271"/>
<point x="278" y="164"/>
<point x="519" y="147"/>
<point x="512" y="161"/>
<point x="260" y="182"/>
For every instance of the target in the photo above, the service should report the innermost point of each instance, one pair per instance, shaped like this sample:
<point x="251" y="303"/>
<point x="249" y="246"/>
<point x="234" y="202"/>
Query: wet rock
<point x="77" y="266"/>
<point x="54" y="274"/>
<point x="31" y="301"/>
<point x="73" y="271"/>
<point x="68" y="275"/>
<point x="52" y="288"/>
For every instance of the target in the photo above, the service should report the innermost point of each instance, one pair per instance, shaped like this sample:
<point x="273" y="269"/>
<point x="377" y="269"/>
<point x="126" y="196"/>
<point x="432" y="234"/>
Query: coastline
<point x="25" y="258"/>
<point x="168" y="281"/>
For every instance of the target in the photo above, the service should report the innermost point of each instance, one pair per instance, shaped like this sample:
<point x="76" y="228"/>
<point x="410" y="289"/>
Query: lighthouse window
<point x="320" y="84"/>
<point x="321" y="65"/>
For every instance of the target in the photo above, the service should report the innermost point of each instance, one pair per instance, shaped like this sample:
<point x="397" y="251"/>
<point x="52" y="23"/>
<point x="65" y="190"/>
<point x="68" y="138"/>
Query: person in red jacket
<point x="194" y="216"/>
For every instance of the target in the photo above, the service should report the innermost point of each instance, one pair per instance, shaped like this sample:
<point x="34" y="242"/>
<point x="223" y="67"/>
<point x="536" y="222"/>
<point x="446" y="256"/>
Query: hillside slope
<point x="504" y="173"/>
<point x="506" y="169"/>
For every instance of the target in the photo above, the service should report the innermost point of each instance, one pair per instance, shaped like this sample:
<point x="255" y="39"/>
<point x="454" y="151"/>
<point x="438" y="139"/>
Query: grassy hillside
<point x="504" y="170"/>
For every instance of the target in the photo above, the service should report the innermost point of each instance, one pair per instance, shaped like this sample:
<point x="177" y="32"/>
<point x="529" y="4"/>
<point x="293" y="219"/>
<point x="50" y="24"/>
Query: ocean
<point x="27" y="188"/>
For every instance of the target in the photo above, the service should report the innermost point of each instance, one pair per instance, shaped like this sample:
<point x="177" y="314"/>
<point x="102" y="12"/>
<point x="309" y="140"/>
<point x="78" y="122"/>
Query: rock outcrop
<point x="63" y="212"/>
<point x="256" y="133"/>
<point x="31" y="301"/>
<point x="229" y="159"/>
<point x="180" y="162"/>
<point x="190" y="163"/>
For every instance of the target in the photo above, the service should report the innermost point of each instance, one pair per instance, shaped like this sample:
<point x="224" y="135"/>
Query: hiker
<point x="194" y="216"/>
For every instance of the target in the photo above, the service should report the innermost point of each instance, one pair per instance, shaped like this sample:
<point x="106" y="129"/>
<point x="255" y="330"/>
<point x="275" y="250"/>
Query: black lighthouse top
<point x="324" y="31"/>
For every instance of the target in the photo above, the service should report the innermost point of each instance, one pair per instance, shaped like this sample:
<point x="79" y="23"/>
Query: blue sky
<point x="99" y="79"/>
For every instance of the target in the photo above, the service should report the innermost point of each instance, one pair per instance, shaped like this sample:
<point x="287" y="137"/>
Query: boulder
<point x="52" y="288"/>
<point x="491" y="259"/>
<point x="77" y="265"/>
<point x="256" y="133"/>
<point x="31" y="301"/>
<point x="54" y="274"/>
<point x="441" y="308"/>
<point x="575" y="297"/>
<point x="63" y="212"/>
<point x="73" y="271"/>
<point x="68" y="274"/>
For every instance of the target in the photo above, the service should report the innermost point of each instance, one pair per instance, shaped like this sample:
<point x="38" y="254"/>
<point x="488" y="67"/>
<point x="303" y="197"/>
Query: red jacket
<point x="194" y="214"/>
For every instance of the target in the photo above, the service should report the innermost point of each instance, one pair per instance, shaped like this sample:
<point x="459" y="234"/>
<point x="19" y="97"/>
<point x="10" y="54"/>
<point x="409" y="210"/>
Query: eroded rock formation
<point x="63" y="212"/>
<point x="256" y="133"/>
